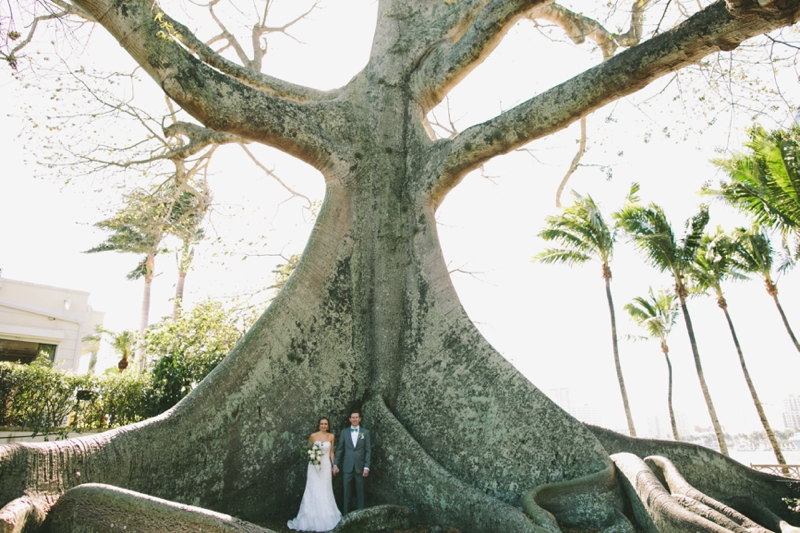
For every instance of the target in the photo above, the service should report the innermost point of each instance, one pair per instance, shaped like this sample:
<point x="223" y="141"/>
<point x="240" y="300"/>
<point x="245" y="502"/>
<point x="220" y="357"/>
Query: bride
<point x="318" y="510"/>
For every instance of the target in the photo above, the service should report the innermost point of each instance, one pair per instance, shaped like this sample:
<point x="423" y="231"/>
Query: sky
<point x="550" y="321"/>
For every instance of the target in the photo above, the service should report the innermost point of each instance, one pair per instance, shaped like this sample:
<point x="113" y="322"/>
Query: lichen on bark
<point x="370" y="319"/>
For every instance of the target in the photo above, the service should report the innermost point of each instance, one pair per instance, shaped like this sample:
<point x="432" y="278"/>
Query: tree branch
<point x="712" y="29"/>
<point x="254" y="79"/>
<point x="451" y="62"/>
<point x="215" y="99"/>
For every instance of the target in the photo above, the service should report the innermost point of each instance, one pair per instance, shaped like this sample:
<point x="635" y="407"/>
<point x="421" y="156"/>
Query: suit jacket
<point x="349" y="458"/>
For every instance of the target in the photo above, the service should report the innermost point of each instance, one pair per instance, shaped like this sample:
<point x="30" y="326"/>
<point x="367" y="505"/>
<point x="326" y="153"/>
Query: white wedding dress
<point x="318" y="510"/>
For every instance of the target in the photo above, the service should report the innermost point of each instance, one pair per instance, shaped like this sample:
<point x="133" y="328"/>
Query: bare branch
<point x="712" y="29"/>
<point x="274" y="176"/>
<point x="573" y="166"/>
<point x="449" y="63"/>
<point x="256" y="80"/>
<point x="199" y="138"/>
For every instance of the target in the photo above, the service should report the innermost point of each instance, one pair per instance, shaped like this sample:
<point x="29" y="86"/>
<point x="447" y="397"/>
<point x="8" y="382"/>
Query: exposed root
<point x="23" y="514"/>
<point x="699" y="503"/>
<point x="437" y="497"/>
<point x="715" y="477"/>
<point x="760" y="512"/>
<point x="596" y="494"/>
<point x="654" y="507"/>
<point x="376" y="519"/>
<point x="94" y="507"/>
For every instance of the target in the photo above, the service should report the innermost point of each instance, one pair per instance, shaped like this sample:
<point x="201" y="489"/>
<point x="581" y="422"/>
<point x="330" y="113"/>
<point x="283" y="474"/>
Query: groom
<point x="353" y="451"/>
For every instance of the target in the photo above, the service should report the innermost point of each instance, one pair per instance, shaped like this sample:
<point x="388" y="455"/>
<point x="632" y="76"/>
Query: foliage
<point x="655" y="313"/>
<point x="185" y="350"/>
<point x="138" y="227"/>
<point x="282" y="272"/>
<point x="765" y="181"/>
<point x="582" y="233"/>
<point x="40" y="397"/>
<point x="653" y="236"/>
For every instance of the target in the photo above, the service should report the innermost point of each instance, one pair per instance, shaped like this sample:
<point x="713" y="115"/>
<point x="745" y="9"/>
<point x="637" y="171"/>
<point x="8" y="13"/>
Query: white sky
<point x="550" y="321"/>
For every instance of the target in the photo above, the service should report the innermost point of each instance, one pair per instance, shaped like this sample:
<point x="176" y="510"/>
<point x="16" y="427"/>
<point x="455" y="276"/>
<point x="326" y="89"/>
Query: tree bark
<point x="665" y="351"/>
<point x="370" y="320"/>
<point x="144" y="317"/>
<point x="617" y="365"/>
<point x="179" y="285"/>
<point x="784" y="319"/>
<point x="759" y="408"/>
<point x="723" y="448"/>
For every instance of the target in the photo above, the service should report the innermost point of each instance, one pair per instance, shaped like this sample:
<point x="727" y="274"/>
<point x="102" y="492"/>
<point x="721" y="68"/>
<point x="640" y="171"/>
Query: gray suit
<point x="352" y="460"/>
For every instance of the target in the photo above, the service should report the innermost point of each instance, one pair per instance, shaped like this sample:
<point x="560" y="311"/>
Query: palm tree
<point x="653" y="236"/>
<point x="123" y="343"/>
<point x="765" y="183"/>
<point x="584" y="235"/>
<point x="187" y="216"/>
<point x="139" y="227"/>
<point x="713" y="265"/>
<point x="753" y="254"/>
<point x="656" y="314"/>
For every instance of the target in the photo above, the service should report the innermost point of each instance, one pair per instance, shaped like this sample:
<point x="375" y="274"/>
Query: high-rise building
<point x="791" y="412"/>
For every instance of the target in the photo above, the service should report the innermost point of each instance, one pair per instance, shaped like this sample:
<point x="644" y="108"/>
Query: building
<point x="660" y="426"/>
<point x="791" y="413"/>
<point x="51" y="321"/>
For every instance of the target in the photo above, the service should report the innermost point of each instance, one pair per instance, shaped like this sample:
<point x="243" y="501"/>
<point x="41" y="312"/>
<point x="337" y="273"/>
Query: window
<point x="24" y="351"/>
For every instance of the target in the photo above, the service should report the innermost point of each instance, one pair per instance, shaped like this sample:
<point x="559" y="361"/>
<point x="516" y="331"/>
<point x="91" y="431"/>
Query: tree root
<point x="699" y="503"/>
<point x="764" y="516"/>
<point x="680" y="507"/>
<point x="94" y="507"/>
<point x="23" y="514"/>
<point x="715" y="476"/>
<point x="654" y="507"/>
<point x="382" y="518"/>
<point x="596" y="495"/>
<point x="412" y="478"/>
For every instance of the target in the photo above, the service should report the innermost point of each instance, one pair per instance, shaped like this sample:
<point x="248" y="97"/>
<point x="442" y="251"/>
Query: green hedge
<point x="46" y="401"/>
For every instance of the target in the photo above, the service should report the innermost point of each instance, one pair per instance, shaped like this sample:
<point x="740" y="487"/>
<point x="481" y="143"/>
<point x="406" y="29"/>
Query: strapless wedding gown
<point x="318" y="510"/>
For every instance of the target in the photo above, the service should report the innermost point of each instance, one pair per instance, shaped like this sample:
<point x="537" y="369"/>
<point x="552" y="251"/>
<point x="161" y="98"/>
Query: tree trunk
<point x="144" y="317"/>
<point x="761" y="414"/>
<point x="178" y="302"/>
<point x="370" y="320"/>
<point x="785" y="320"/>
<point x="665" y="351"/>
<point x="723" y="448"/>
<point x="617" y="364"/>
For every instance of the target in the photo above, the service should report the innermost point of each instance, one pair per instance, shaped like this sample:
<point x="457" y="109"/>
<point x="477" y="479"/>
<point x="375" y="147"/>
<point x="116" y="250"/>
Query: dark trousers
<point x="350" y="479"/>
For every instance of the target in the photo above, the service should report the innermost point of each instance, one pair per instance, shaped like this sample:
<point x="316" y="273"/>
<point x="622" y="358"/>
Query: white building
<point x="791" y="412"/>
<point x="53" y="321"/>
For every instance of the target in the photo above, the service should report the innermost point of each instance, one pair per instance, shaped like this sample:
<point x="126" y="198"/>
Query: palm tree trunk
<point x="785" y="321"/>
<point x="615" y="344"/>
<point x="176" y="306"/>
<point x="723" y="448"/>
<point x="144" y="319"/>
<point x="665" y="350"/>
<point x="761" y="414"/>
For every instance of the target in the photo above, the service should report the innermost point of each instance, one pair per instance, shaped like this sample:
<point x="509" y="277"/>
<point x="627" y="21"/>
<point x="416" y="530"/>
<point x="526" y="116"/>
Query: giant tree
<point x="653" y="235"/>
<point x="714" y="264"/>
<point x="582" y="235"/>
<point x="369" y="319"/>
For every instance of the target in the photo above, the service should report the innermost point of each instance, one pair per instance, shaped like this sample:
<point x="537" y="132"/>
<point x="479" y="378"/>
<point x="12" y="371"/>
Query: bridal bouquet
<point x="313" y="453"/>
